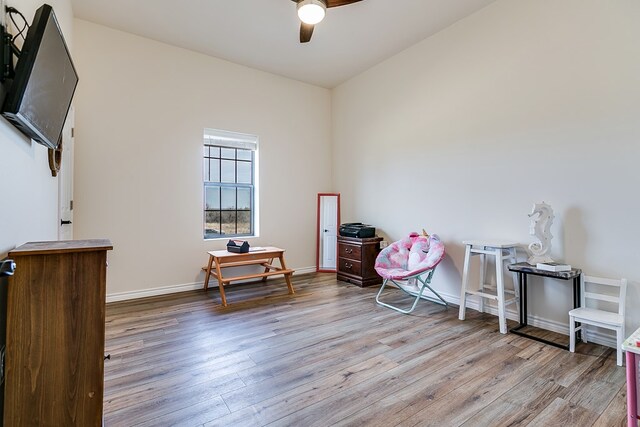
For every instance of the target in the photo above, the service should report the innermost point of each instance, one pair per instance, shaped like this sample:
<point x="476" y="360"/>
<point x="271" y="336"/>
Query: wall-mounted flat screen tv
<point x="39" y="97"/>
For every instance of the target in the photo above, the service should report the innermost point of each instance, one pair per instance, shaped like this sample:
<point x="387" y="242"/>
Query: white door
<point x="328" y="231"/>
<point x="65" y="182"/>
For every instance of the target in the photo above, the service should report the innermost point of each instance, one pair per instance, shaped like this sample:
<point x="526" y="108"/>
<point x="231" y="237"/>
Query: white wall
<point x="521" y="102"/>
<point x="141" y="109"/>
<point x="28" y="192"/>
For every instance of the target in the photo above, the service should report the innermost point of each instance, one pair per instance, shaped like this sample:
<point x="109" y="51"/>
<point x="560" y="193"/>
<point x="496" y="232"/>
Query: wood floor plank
<point x="378" y="414"/>
<point x="277" y="407"/>
<point x="184" y="386"/>
<point x="401" y="381"/>
<point x="146" y="404"/>
<point x="563" y="413"/>
<point x="519" y="405"/>
<point x="615" y="414"/>
<point x="194" y="415"/>
<point x="568" y="367"/>
<point x="340" y="405"/>
<point x="292" y="378"/>
<point x="465" y="401"/>
<point x="329" y="355"/>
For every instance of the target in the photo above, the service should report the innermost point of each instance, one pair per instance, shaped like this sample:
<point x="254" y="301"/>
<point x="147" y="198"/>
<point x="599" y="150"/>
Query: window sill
<point x="213" y="239"/>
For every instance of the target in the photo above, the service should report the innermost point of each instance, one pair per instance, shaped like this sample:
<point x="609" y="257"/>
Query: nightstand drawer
<point x="349" y="266"/>
<point x="350" y="251"/>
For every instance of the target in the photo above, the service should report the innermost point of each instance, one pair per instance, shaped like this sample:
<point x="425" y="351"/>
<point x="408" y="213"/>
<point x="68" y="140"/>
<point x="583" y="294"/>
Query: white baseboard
<point x="305" y="270"/>
<point x="164" y="290"/>
<point x="472" y="303"/>
<point x="597" y="337"/>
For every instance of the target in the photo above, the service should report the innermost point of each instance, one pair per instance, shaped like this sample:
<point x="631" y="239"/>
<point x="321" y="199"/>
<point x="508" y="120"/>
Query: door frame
<point x="65" y="178"/>
<point x="318" y="270"/>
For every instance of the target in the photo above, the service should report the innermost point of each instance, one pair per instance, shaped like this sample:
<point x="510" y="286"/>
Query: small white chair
<point x="596" y="316"/>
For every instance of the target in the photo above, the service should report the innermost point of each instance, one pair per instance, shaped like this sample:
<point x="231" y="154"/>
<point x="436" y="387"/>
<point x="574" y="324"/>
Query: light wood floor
<point x="330" y="356"/>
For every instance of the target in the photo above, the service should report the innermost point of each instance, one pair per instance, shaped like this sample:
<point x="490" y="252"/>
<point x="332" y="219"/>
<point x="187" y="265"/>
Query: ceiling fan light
<point x="311" y="11"/>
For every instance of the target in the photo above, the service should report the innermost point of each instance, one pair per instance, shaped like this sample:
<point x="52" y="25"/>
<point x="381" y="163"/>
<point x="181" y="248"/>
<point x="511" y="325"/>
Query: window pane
<point x="212" y="198"/>
<point x="228" y="153"/>
<point x="205" y="169"/>
<point x="214" y="170"/>
<point x="244" y="222"/>
<point x="244" y="154"/>
<point x="211" y="224"/>
<point x="244" y="198"/>
<point x="214" y="152"/>
<point x="228" y="171"/>
<point x="229" y="198"/>
<point x="244" y="172"/>
<point x="228" y="222"/>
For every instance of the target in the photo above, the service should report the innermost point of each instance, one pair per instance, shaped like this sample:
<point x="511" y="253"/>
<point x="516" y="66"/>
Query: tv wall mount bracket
<point x="9" y="48"/>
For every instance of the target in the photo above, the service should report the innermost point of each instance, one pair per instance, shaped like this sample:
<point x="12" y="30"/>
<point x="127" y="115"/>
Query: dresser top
<point x="62" y="246"/>
<point x="345" y="239"/>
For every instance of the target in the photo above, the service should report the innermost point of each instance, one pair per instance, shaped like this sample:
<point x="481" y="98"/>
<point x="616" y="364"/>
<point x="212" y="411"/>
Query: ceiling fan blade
<point x="306" y="30"/>
<point x="336" y="3"/>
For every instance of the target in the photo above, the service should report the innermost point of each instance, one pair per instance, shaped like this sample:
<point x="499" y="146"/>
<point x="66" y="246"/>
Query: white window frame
<point x="234" y="140"/>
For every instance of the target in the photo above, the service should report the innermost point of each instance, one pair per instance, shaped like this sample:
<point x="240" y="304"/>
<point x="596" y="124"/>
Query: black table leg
<point x="524" y="320"/>
<point x="577" y="303"/>
<point x="523" y="297"/>
<point x="525" y="317"/>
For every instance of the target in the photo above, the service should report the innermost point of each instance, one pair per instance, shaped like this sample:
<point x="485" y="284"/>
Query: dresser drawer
<point x="349" y="266"/>
<point x="353" y="252"/>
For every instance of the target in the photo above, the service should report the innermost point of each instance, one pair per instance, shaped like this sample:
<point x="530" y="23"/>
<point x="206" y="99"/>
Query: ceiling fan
<point x="312" y="12"/>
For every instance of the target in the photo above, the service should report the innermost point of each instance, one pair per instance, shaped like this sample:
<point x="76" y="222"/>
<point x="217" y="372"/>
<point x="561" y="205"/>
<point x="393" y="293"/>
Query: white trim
<point x="535" y="321"/>
<point x="173" y="289"/>
<point x="129" y="295"/>
<point x="229" y="139"/>
<point x="472" y="303"/>
<point x="305" y="270"/>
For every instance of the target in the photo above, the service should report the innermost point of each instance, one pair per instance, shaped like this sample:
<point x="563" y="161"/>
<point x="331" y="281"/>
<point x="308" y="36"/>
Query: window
<point x="230" y="165"/>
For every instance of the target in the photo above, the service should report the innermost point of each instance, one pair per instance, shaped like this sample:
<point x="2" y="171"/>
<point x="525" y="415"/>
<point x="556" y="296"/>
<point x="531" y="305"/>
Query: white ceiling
<point x="263" y="34"/>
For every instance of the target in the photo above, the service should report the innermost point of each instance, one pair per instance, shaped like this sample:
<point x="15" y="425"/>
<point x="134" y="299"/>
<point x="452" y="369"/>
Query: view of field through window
<point x="228" y="175"/>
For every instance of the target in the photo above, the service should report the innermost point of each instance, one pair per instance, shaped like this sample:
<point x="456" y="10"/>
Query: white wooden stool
<point x="502" y="251"/>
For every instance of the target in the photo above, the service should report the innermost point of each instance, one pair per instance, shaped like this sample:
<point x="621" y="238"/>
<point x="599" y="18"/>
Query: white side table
<point x="502" y="251"/>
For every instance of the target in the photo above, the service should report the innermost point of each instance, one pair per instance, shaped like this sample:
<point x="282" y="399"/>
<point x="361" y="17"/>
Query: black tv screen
<point x="39" y="97"/>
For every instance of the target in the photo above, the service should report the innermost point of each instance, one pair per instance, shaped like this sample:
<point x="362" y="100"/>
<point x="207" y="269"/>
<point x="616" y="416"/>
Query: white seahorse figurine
<point x="541" y="219"/>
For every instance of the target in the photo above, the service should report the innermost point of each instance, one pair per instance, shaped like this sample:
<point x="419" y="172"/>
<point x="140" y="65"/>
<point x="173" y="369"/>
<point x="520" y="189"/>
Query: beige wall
<point x="521" y="102"/>
<point x="28" y="192"/>
<point x="140" y="113"/>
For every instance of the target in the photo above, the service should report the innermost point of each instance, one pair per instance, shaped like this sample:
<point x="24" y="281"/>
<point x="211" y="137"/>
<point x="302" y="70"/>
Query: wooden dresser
<point x="54" y="364"/>
<point x="356" y="258"/>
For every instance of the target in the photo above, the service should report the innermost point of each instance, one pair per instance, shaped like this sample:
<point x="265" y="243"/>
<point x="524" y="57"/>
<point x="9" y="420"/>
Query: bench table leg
<point x="221" y="284"/>
<point x="208" y="275"/>
<point x="287" y="276"/>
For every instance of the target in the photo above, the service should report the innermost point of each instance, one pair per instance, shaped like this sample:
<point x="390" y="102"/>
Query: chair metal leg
<point x="415" y="302"/>
<point x="426" y="285"/>
<point x="418" y="296"/>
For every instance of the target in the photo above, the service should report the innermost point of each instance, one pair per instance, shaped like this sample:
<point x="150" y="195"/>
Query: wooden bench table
<point x="265" y="257"/>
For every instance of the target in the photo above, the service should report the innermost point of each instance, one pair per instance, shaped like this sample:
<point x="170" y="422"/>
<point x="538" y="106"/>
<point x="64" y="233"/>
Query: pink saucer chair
<point x="409" y="264"/>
